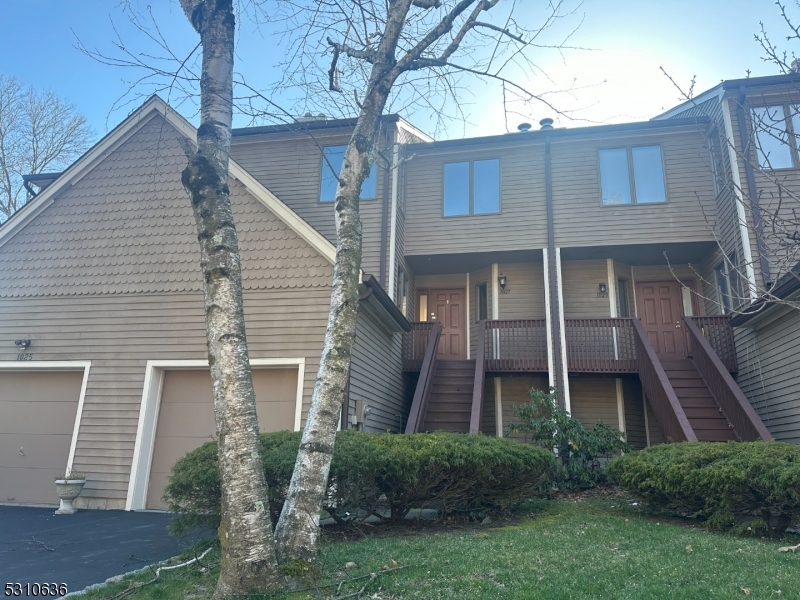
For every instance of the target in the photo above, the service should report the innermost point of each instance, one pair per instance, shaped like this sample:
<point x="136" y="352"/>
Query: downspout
<point x="758" y="223"/>
<point x="552" y="269"/>
<point x="385" y="213"/>
<point x="393" y="220"/>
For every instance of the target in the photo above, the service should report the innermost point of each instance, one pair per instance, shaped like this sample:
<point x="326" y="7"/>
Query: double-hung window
<point x="632" y="175"/>
<point x="774" y="129"/>
<point x="332" y="158"/>
<point x="472" y="187"/>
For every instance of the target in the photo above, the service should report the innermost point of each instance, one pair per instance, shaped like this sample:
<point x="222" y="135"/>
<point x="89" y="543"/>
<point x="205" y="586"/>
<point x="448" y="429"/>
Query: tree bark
<point x="297" y="532"/>
<point x="248" y="555"/>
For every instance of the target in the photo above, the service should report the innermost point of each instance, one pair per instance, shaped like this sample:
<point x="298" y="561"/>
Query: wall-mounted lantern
<point x="603" y="291"/>
<point x="502" y="280"/>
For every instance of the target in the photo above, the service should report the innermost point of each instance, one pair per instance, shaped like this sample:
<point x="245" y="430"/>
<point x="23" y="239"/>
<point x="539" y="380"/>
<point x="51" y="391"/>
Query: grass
<point x="593" y="548"/>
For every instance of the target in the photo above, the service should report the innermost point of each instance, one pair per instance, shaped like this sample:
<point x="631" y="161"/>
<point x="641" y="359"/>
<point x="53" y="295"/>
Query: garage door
<point x="186" y="417"/>
<point x="37" y="415"/>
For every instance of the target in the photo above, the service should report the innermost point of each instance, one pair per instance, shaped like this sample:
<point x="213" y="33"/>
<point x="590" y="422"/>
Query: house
<point x="579" y="258"/>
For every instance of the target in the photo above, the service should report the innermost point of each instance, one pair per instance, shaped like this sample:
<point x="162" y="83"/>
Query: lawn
<point x="591" y="548"/>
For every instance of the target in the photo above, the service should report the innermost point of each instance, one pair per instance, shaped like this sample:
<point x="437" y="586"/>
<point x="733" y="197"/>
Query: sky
<point x="613" y="77"/>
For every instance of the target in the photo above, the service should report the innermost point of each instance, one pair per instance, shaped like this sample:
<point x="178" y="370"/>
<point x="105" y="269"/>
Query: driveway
<point x="88" y="547"/>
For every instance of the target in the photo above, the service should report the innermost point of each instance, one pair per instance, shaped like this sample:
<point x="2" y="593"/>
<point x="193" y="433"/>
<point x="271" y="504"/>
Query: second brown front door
<point x="447" y="307"/>
<point x="660" y="307"/>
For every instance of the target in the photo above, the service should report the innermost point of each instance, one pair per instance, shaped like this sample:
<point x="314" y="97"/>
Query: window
<point x="423" y="307"/>
<point x="644" y="185"/>
<point x="402" y="292"/>
<point x="480" y="292"/>
<point x="622" y="296"/>
<point x="774" y="135"/>
<point x="729" y="288"/>
<point x="331" y="165"/>
<point x="472" y="188"/>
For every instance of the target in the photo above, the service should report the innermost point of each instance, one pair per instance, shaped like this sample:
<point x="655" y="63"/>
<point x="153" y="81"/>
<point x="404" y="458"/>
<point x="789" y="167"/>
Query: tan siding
<point x="522" y="202"/>
<point x="290" y="167"/>
<point x="634" y="413"/>
<point x="594" y="399"/>
<point x="517" y="391"/>
<point x="580" y="283"/>
<point x="525" y="291"/>
<point x="110" y="273"/>
<point x="768" y="373"/>
<point x="376" y="375"/>
<point x="580" y="220"/>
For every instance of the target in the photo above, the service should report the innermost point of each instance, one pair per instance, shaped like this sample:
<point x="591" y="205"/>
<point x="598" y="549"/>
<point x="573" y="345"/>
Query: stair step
<point x="717" y="435"/>
<point x="693" y="392"/>
<point x="701" y="412"/>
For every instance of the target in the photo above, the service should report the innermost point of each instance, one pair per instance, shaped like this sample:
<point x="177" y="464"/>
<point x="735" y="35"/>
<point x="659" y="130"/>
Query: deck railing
<point x="673" y="421"/>
<point x="600" y="345"/>
<point x="719" y="333"/>
<point x="518" y="345"/>
<point x="419" y="404"/>
<point x="415" y="342"/>
<point x="737" y="409"/>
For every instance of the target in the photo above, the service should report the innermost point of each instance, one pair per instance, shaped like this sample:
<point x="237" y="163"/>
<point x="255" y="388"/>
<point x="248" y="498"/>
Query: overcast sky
<point x="617" y="80"/>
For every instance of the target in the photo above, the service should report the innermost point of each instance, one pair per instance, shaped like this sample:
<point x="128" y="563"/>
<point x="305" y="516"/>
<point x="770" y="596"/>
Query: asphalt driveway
<point x="37" y="546"/>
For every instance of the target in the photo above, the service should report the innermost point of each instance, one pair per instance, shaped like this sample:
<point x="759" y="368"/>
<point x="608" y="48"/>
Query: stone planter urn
<point x="68" y="489"/>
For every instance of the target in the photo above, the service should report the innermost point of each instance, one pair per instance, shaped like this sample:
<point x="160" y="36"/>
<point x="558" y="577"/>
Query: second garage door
<point x="37" y="416"/>
<point x="186" y="417"/>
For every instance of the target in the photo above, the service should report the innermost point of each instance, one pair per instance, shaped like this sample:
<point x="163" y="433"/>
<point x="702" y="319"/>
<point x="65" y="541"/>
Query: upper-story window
<point x="472" y="187"/>
<point x="332" y="159"/>
<point x="774" y="128"/>
<point x="642" y="184"/>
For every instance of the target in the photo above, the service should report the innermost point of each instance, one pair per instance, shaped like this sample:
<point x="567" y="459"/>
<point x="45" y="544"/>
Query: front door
<point x="447" y="307"/>
<point x="660" y="307"/>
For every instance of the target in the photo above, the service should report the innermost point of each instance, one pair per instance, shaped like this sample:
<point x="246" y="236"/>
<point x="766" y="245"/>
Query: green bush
<point x="741" y="486"/>
<point x="581" y="452"/>
<point x="381" y="474"/>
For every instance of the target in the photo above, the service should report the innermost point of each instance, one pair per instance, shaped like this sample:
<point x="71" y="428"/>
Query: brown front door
<point x="447" y="307"/>
<point x="660" y="307"/>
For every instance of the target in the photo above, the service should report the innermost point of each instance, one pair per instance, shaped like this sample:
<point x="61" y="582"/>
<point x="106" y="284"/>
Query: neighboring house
<point x="753" y="129"/>
<point x="584" y="259"/>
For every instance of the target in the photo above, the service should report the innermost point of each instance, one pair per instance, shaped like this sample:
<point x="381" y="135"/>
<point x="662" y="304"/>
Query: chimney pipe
<point x="523" y="127"/>
<point x="546" y="123"/>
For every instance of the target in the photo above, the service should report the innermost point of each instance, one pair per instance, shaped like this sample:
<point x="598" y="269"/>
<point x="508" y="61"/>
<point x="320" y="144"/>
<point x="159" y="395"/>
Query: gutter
<point x="372" y="293"/>
<point x="758" y="223"/>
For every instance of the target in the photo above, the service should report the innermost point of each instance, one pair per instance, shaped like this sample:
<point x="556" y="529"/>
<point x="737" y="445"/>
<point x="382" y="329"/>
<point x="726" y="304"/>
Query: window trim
<point x="631" y="176"/>
<point x="323" y="164"/>
<point x="794" y="144"/>
<point x="472" y="212"/>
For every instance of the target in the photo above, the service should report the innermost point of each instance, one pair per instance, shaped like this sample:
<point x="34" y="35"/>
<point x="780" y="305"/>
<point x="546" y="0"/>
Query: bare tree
<point x="376" y="48"/>
<point x="39" y="132"/>
<point x="248" y="554"/>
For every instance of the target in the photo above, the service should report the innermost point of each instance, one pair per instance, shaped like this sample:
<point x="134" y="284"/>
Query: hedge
<point x="382" y="474"/>
<point x="742" y="486"/>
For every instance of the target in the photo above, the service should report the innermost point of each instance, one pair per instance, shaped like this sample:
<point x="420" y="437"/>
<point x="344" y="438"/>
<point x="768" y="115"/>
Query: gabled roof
<point x="123" y="131"/>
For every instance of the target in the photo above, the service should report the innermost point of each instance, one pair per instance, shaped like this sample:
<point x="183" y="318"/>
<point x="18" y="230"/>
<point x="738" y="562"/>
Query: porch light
<point x="22" y="344"/>
<point x="603" y="290"/>
<point x="502" y="281"/>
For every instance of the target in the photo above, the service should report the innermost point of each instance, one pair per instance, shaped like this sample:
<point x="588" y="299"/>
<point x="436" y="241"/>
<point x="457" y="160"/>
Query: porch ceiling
<point x="468" y="261"/>
<point x="644" y="254"/>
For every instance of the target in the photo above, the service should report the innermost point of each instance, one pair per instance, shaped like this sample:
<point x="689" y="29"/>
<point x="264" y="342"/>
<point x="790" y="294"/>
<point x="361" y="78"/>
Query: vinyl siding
<point x="290" y="167"/>
<point x="580" y="285"/>
<point x="594" y="399"/>
<point x="516" y="391"/>
<point x="476" y="278"/>
<point x="768" y="373"/>
<point x="524" y="297"/>
<point x="634" y="412"/>
<point x="376" y="374"/>
<point x="581" y="220"/>
<point x="110" y="273"/>
<point x="521" y="225"/>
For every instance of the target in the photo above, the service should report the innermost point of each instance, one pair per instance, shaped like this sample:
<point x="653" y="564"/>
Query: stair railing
<point x="665" y="404"/>
<point x="746" y="422"/>
<point x="419" y="405"/>
<point x="480" y="375"/>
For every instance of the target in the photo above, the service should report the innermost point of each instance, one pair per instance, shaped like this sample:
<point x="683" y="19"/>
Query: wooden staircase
<point x="450" y="401"/>
<point x="705" y="415"/>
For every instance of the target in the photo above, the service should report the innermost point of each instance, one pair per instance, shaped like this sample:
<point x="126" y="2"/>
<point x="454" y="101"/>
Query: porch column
<point x="498" y="384"/>
<point x="612" y="302"/>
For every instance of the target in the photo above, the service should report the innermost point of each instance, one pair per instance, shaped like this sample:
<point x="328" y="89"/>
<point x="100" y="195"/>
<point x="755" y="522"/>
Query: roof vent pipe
<point x="523" y="127"/>
<point x="546" y="123"/>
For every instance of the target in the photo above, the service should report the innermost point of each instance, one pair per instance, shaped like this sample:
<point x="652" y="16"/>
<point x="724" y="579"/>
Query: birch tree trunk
<point x="245" y="532"/>
<point x="297" y="532"/>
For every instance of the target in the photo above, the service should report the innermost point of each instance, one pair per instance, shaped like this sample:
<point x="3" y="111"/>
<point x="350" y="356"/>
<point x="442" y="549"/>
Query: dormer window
<point x="332" y="158"/>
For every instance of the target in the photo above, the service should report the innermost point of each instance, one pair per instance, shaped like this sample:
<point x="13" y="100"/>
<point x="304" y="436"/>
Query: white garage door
<point x="37" y="416"/>
<point x="186" y="417"/>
